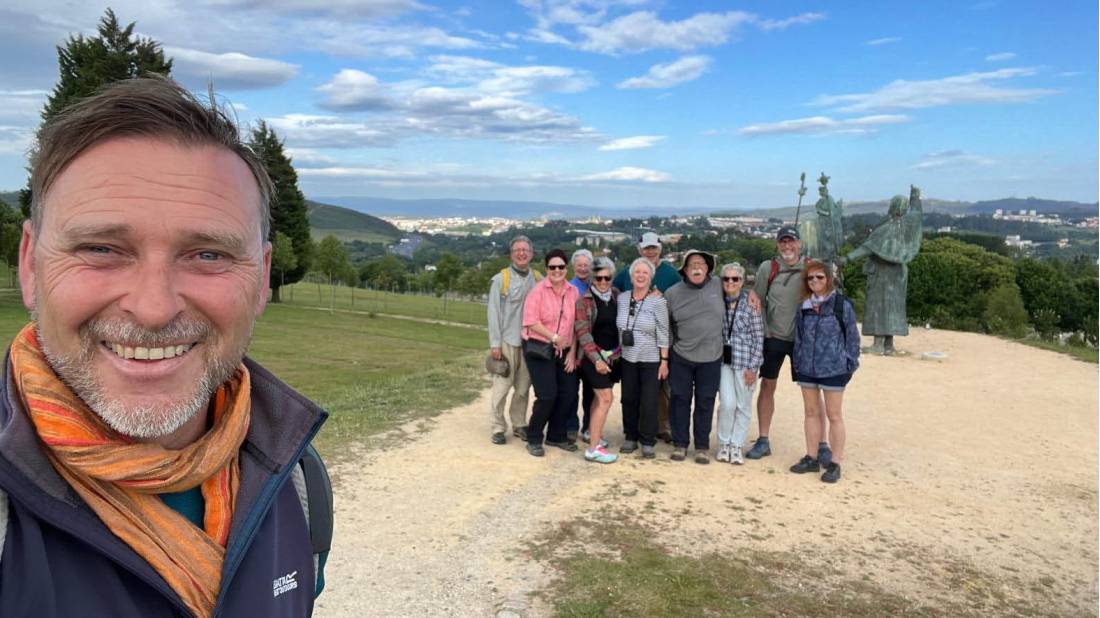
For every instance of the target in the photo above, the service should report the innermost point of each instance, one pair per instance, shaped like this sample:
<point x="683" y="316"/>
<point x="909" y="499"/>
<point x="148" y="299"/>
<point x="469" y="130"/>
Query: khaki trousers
<point x="519" y="382"/>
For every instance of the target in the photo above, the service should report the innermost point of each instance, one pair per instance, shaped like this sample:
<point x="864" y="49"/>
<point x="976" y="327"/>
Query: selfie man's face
<point x="146" y="277"/>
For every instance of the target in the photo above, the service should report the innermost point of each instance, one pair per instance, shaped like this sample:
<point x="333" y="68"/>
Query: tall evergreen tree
<point x="86" y="64"/>
<point x="289" y="213"/>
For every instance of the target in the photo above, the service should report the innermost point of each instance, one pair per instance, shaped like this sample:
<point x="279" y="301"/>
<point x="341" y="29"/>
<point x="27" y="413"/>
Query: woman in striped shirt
<point x="643" y="326"/>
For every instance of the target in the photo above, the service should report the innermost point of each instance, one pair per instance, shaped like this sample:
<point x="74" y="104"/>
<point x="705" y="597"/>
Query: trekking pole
<point x="801" y="192"/>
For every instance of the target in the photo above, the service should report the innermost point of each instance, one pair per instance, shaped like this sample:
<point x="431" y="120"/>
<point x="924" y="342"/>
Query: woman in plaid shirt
<point x="743" y="353"/>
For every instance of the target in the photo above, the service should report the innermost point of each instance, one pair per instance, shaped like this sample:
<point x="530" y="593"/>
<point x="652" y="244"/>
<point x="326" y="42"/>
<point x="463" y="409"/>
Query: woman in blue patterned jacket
<point x="826" y="354"/>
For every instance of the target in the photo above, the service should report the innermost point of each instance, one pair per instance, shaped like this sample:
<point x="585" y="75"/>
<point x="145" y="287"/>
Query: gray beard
<point x="140" y="421"/>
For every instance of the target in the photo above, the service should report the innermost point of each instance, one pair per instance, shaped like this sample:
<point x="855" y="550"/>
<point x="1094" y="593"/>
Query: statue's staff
<point x="801" y="192"/>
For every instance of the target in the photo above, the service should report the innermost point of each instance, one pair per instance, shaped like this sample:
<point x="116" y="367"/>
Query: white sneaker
<point x="736" y="456"/>
<point x="723" y="453"/>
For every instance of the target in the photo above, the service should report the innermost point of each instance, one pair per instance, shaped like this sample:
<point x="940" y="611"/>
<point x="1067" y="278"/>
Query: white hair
<point x="603" y="263"/>
<point x="646" y="263"/>
<point x="736" y="267"/>
<point x="581" y="253"/>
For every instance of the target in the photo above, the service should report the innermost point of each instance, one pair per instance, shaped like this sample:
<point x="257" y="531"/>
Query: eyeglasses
<point x="818" y="276"/>
<point x="601" y="278"/>
<point x="555" y="266"/>
<point x="731" y="279"/>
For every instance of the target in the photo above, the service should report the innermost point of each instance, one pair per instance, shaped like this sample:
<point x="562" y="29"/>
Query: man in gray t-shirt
<point x="779" y="286"/>
<point x="695" y="312"/>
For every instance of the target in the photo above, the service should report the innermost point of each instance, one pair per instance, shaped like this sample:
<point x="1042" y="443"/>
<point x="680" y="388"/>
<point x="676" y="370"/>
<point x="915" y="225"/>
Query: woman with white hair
<point x="742" y="355"/>
<point x="642" y="321"/>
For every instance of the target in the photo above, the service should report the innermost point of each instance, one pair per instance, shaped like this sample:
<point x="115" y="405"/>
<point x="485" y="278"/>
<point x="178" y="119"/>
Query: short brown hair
<point x="812" y="266"/>
<point x="151" y="106"/>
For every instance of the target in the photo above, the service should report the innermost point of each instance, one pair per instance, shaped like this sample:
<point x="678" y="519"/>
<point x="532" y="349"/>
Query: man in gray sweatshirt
<point x="507" y="292"/>
<point x="779" y="285"/>
<point x="695" y="312"/>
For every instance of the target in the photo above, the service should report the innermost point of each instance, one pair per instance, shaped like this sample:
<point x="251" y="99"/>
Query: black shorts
<point x="774" y="351"/>
<point x="597" y="380"/>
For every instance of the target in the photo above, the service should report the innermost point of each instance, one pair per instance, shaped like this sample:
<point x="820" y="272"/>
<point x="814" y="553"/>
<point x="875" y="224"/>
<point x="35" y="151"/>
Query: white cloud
<point x="1001" y="57"/>
<point x="632" y="143"/>
<point x="357" y="39"/>
<point x="643" y="30"/>
<point x="525" y="79"/>
<point x="951" y="158"/>
<point x="307" y="157"/>
<point x="629" y="174"/>
<point x="311" y="131"/>
<point x="15" y="140"/>
<point x="884" y="41"/>
<point x="22" y="107"/>
<point x="367" y="9"/>
<point x="351" y="89"/>
<point x="670" y="74"/>
<point x="955" y="90"/>
<point x="824" y="125"/>
<point x="230" y="71"/>
<point x="782" y="24"/>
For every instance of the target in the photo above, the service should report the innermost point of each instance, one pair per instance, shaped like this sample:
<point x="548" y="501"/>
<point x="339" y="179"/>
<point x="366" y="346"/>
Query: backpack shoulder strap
<point x="3" y="520"/>
<point x="505" y="280"/>
<point x="772" y="275"/>
<point x="838" y="313"/>
<point x="314" y="489"/>
<point x="538" y="275"/>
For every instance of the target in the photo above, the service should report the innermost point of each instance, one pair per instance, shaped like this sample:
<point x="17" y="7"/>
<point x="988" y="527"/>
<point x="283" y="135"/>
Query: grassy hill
<point x="348" y="225"/>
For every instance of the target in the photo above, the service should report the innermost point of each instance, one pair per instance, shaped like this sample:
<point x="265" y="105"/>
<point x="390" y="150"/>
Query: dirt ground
<point x="968" y="482"/>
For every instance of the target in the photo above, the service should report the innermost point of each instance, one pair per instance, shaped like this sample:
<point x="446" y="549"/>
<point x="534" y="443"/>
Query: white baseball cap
<point x="649" y="239"/>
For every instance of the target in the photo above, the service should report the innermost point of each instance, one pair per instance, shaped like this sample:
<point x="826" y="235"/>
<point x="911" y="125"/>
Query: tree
<point x="332" y="261"/>
<point x="385" y="273"/>
<point x="447" y="271"/>
<point x="283" y="259"/>
<point x="289" y="213"/>
<point x="1004" y="312"/>
<point x="86" y="64"/>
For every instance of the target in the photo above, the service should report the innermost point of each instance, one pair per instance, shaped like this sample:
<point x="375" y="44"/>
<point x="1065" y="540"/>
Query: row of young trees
<point x="86" y="64"/>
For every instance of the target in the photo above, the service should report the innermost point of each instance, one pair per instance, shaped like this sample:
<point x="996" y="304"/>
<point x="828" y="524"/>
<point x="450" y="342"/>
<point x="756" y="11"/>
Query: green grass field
<point x="427" y="307"/>
<point x="371" y="374"/>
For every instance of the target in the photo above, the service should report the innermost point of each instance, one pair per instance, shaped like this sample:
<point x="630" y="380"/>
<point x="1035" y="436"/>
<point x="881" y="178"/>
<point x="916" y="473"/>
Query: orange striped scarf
<point x="120" y="478"/>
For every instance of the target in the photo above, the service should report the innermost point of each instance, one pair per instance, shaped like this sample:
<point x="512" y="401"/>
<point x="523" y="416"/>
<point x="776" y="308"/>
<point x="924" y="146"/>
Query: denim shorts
<point x="831" y="383"/>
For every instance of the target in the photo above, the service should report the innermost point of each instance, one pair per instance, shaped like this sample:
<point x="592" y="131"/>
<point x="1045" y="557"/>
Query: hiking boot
<point x="824" y="454"/>
<point x="600" y="455"/>
<point x="571" y="436"/>
<point x="832" y="473"/>
<point x="736" y="457"/>
<point x="520" y="432"/>
<point x="679" y="453"/>
<point x="565" y="446"/>
<point x="723" y="453"/>
<point x="701" y="457"/>
<point x="629" y="446"/>
<point x="806" y="464"/>
<point x="648" y="451"/>
<point x="535" y="450"/>
<point x="762" y="448"/>
<point x="497" y="438"/>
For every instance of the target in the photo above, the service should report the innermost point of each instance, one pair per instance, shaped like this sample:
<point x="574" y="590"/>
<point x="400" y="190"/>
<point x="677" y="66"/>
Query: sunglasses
<point x="731" y="279"/>
<point x="555" y="266"/>
<point x="602" y="278"/>
<point x="818" y="276"/>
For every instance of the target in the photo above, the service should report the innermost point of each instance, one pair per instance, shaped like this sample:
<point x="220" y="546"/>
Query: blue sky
<point x="622" y="103"/>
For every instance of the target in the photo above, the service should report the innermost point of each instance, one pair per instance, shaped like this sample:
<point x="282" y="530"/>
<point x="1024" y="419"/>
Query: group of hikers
<point x="675" y="340"/>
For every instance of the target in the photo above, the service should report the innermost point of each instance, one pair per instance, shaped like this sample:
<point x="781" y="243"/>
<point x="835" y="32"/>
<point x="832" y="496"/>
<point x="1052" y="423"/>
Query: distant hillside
<point x="857" y="208"/>
<point x="11" y="197"/>
<point x="1015" y="204"/>
<point x="347" y="224"/>
<point x="512" y="209"/>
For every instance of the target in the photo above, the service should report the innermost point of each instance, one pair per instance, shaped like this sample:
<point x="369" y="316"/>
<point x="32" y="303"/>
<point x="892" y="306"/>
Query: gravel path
<point x="978" y="472"/>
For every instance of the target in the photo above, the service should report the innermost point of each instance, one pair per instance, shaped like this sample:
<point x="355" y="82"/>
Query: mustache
<point x="181" y="329"/>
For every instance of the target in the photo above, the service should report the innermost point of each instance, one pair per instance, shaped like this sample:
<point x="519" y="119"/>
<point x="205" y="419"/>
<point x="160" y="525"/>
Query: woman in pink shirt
<point x="548" y="315"/>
